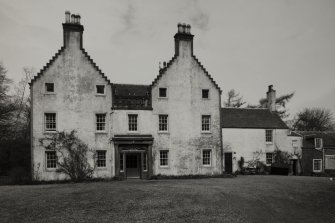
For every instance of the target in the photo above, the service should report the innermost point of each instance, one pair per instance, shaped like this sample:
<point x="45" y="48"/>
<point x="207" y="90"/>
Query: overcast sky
<point x="245" y="45"/>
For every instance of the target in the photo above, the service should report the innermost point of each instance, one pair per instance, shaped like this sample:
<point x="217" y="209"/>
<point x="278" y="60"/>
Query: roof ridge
<point x="147" y="85"/>
<point x="245" y="108"/>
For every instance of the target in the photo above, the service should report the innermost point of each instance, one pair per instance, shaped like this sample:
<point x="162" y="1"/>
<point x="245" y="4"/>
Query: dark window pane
<point x="205" y="93"/>
<point x="162" y="92"/>
<point x="49" y="87"/>
<point x="100" y="89"/>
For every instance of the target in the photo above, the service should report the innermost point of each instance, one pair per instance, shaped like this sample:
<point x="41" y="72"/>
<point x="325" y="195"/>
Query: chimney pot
<point x="67" y="16"/>
<point x="79" y="17"/>
<point x="73" y="18"/>
<point x="164" y="64"/>
<point x="270" y="87"/>
<point x="188" y="29"/>
<point x="180" y="28"/>
<point x="184" y="27"/>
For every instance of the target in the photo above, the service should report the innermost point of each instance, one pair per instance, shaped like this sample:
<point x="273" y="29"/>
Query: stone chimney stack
<point x="271" y="98"/>
<point x="73" y="31"/>
<point x="183" y="41"/>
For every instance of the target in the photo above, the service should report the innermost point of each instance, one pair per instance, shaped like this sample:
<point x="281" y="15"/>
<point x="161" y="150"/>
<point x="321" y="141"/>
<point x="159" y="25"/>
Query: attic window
<point x="318" y="143"/>
<point x="205" y="93"/>
<point x="162" y="92"/>
<point x="100" y="89"/>
<point x="49" y="88"/>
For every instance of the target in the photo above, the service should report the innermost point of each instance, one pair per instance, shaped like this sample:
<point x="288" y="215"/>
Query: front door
<point x="228" y="161"/>
<point x="133" y="168"/>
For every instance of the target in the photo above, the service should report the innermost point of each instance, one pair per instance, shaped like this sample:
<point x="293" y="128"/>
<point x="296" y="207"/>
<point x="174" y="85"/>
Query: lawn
<point x="240" y="199"/>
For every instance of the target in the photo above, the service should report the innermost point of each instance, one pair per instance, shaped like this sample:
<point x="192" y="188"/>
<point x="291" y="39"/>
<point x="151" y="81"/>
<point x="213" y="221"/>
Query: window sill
<point x="206" y="99"/>
<point x="268" y="143"/>
<point x="50" y="169"/>
<point x="163" y="98"/>
<point x="102" y="168"/>
<point x="163" y="132"/>
<point x="203" y="132"/>
<point x="206" y="166"/>
<point x="102" y="132"/>
<point x="49" y="93"/>
<point x="50" y="132"/>
<point x="164" y="167"/>
<point x="133" y="132"/>
<point x="100" y="95"/>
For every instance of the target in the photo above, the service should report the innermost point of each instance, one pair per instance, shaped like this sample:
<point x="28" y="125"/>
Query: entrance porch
<point x="133" y="156"/>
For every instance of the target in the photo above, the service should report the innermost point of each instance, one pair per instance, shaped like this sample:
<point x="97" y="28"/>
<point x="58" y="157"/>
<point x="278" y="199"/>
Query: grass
<point x="240" y="199"/>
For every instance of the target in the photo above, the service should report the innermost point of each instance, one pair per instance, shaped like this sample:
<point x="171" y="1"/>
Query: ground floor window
<point x="330" y="162"/>
<point x="164" y="158"/>
<point x="269" y="158"/>
<point x="101" y="161"/>
<point x="206" y="157"/>
<point x="317" y="165"/>
<point x="51" y="159"/>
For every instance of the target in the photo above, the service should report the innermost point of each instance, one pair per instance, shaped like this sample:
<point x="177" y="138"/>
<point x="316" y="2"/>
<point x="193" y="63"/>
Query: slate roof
<point x="131" y="96"/>
<point x="328" y="138"/>
<point x="252" y="118"/>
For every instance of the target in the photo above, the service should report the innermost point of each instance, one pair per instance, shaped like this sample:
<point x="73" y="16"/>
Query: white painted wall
<point x="75" y="104"/>
<point x="245" y="142"/>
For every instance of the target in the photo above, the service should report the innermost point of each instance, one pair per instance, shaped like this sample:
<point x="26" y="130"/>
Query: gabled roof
<point x="128" y="90"/>
<point x="164" y="69"/>
<point x="131" y="96"/>
<point x="60" y="51"/>
<point x="328" y="138"/>
<point x="51" y="61"/>
<point x="250" y="118"/>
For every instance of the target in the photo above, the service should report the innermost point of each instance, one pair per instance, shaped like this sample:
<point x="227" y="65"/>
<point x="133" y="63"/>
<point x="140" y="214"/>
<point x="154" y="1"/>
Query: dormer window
<point x="100" y="89"/>
<point x="318" y="143"/>
<point x="163" y="92"/>
<point x="49" y="88"/>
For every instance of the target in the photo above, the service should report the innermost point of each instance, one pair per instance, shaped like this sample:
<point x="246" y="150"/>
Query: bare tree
<point x="314" y="119"/>
<point x="7" y="107"/>
<point x="73" y="152"/>
<point x="234" y="99"/>
<point x="281" y="102"/>
<point x="22" y="103"/>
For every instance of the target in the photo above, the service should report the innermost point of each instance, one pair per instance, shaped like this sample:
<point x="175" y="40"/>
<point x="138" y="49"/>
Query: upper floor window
<point x="101" y="158"/>
<point x="100" y="122"/>
<point x="49" y="88"/>
<point x="205" y="93"/>
<point x="206" y="123"/>
<point x="268" y="136"/>
<point x="206" y="157"/>
<point x="318" y="143"/>
<point x="163" y="92"/>
<point x="164" y="158"/>
<point x="132" y="122"/>
<point x="50" y="121"/>
<point x="269" y="158"/>
<point x="163" y="123"/>
<point x="100" y="89"/>
<point x="51" y="159"/>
